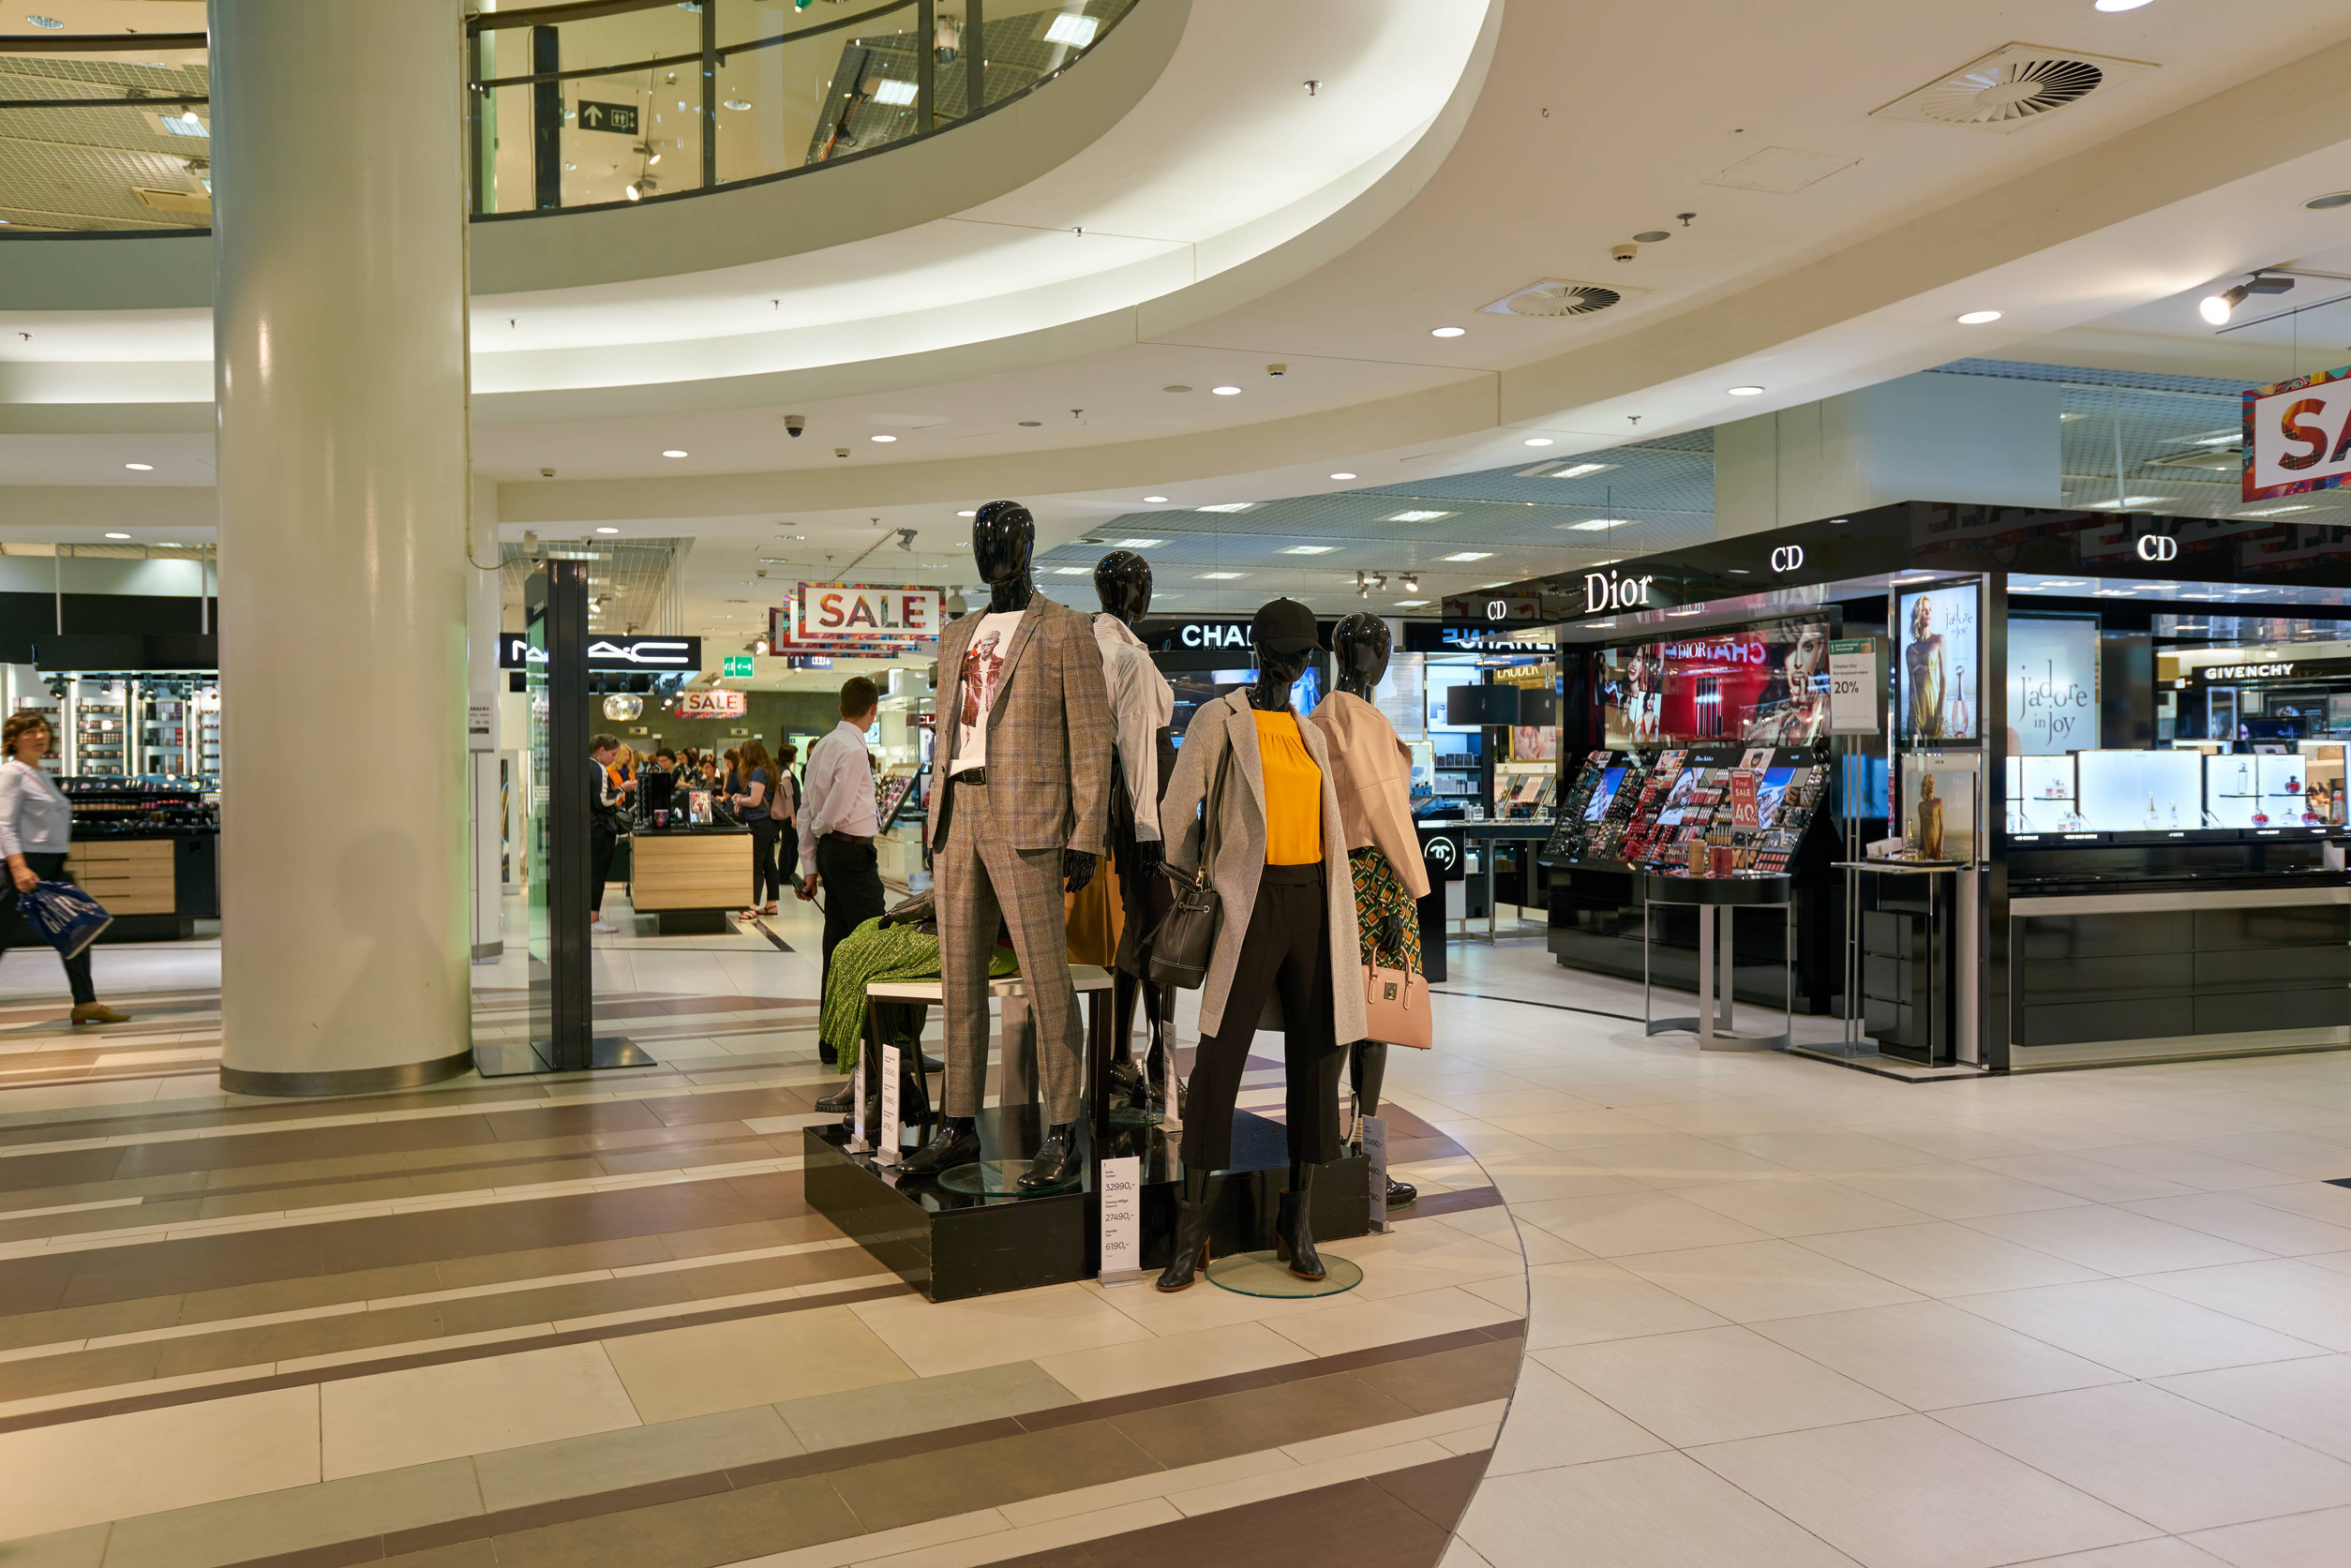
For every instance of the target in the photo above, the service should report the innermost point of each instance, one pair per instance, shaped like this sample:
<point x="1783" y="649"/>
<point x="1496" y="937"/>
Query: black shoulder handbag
<point x="1185" y="939"/>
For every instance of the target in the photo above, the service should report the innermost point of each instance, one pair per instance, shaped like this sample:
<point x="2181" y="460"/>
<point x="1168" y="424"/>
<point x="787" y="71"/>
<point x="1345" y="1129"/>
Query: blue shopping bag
<point x="70" y="918"/>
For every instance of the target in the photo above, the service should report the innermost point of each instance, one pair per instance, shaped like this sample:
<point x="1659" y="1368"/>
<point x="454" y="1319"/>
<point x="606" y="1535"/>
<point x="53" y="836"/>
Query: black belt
<point x="969" y="776"/>
<point x="863" y="841"/>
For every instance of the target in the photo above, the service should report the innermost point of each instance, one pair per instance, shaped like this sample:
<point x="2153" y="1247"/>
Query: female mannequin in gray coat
<point x="1307" y="960"/>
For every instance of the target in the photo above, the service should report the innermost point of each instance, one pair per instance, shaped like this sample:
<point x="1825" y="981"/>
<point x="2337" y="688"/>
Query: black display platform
<point x="951" y="1247"/>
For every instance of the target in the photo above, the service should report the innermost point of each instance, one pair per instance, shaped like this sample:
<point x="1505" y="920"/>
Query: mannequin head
<point x="1123" y="580"/>
<point x="1284" y="637"/>
<point x="1359" y="644"/>
<point x="1003" y="540"/>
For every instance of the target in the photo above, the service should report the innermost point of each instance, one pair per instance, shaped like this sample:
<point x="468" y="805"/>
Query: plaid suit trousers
<point x="979" y="875"/>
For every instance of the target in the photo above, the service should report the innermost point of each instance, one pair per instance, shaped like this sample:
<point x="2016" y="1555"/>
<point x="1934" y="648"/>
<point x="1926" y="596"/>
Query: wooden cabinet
<point x="689" y="871"/>
<point x="130" y="876"/>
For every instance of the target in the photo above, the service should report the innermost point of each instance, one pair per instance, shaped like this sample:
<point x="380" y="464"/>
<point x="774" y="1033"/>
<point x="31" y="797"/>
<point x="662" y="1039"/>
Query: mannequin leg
<point x="1311" y="1060"/>
<point x="1193" y="1211"/>
<point x="1368" y="1065"/>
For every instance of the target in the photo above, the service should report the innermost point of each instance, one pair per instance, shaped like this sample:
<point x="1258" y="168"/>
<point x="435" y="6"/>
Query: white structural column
<point x="339" y="359"/>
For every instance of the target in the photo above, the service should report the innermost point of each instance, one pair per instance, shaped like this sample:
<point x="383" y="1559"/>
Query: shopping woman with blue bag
<point x="35" y="830"/>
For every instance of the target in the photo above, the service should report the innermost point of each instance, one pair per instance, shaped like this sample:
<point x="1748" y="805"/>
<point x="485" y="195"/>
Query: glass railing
<point x="586" y="104"/>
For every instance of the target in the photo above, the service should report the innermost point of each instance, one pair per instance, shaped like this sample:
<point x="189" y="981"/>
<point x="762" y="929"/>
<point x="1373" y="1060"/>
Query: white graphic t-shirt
<point x="976" y="687"/>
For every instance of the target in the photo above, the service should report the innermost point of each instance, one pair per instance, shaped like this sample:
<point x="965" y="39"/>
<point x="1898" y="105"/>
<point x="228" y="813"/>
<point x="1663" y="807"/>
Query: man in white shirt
<point x="838" y="823"/>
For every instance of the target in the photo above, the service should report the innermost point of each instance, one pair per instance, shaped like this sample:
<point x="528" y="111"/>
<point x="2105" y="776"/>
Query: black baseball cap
<point x="1283" y="626"/>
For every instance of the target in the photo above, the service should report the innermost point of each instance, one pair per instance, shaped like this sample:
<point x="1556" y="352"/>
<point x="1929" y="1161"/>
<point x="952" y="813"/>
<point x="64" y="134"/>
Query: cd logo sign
<point x="1788" y="558"/>
<point x="2158" y="546"/>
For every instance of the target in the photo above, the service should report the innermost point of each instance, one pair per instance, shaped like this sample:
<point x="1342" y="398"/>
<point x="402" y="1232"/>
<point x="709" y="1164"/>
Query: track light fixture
<point x="2217" y="309"/>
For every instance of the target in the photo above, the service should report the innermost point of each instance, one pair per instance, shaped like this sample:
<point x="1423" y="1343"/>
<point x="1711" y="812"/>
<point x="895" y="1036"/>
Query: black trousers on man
<point x="602" y="844"/>
<point x="49" y="868"/>
<point x="850" y="877"/>
<point x="1285" y="953"/>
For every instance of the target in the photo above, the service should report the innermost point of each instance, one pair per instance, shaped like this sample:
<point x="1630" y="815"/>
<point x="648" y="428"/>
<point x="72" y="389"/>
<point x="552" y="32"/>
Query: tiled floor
<point x="1745" y="1310"/>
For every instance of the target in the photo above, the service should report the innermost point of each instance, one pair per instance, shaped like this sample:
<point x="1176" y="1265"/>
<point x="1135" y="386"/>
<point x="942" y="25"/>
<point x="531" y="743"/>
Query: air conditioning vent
<point x="2011" y="88"/>
<point x="1557" y="297"/>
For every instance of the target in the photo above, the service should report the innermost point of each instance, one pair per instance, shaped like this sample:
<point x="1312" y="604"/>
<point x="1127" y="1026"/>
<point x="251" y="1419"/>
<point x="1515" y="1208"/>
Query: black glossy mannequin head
<point x="1283" y="637"/>
<point x="1003" y="540"/>
<point x="1123" y="580"/>
<point x="1359" y="644"/>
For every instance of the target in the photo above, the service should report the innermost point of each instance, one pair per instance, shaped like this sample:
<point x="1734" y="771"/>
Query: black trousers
<point x="1285" y="953"/>
<point x="602" y="844"/>
<point x="766" y="865"/>
<point x="49" y="868"/>
<point x="851" y="884"/>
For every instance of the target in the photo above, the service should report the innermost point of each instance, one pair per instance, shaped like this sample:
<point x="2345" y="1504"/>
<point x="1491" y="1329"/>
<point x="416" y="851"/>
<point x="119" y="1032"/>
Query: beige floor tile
<point x="2165" y="1459"/>
<point x="1679" y="1161"/>
<point x="680" y="1373"/>
<point x="1613" y="1512"/>
<point x="1713" y="1386"/>
<point x="2308" y="1401"/>
<point x="1360" y="1323"/>
<point x="2134" y="1329"/>
<point x="1752" y="1280"/>
<point x="1109" y="1370"/>
<point x="1189" y="1311"/>
<point x="1726" y="1118"/>
<point x="2284" y="1294"/>
<point x="628" y="1456"/>
<point x="2233" y="1217"/>
<point x="1460" y="1554"/>
<point x="1948" y="1190"/>
<point x="1551" y="1423"/>
<point x="115" y="1466"/>
<point x="2301" y="1540"/>
<point x="1577" y="1132"/>
<point x="2314" y="1157"/>
<point x="1581" y="1303"/>
<point x="1614" y="1225"/>
<point x="1946" y="1259"/>
<point x="1949" y="1138"/>
<point x="1425" y="1258"/>
<point x="2164" y="1551"/>
<point x="1496" y="1225"/>
<point x="2189" y="1166"/>
<point x="2317" y="1200"/>
<point x="1799" y="1205"/>
<point x="955" y="1336"/>
<point x="1929" y="1354"/>
<point x="2093" y="1180"/>
<point x="1907" y="1493"/>
<point x="2115" y="1241"/>
<point x="422" y="1413"/>
<point x="293" y="1519"/>
<point x="923" y="1405"/>
<point x="1824" y="1152"/>
<point x="1512" y="1098"/>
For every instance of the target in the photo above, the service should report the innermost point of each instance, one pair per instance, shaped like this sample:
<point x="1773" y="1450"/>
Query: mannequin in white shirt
<point x="1143" y="708"/>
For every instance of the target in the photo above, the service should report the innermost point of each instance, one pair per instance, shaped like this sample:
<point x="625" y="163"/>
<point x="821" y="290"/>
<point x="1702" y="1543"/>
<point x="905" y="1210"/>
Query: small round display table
<point x="1715" y="898"/>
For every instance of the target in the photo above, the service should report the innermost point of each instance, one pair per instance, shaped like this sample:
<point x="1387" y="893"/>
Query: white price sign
<point x="1122" y="1217"/>
<point x="1373" y="1132"/>
<point x="1854" y="699"/>
<point x="890" y="1136"/>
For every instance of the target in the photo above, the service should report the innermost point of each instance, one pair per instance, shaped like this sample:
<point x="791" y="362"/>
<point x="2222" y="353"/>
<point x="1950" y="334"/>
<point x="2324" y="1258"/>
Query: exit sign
<point x="737" y="666"/>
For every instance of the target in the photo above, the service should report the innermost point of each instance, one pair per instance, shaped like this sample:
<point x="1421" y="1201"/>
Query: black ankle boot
<point x="837" y="1103"/>
<point x="1192" y="1213"/>
<point x="957" y="1144"/>
<point x="1056" y="1163"/>
<point x="1401" y="1195"/>
<point x="1293" y="1231"/>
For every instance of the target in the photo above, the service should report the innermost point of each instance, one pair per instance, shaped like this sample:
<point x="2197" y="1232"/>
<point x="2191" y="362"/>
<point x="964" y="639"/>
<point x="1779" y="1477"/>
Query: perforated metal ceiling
<point x="66" y="168"/>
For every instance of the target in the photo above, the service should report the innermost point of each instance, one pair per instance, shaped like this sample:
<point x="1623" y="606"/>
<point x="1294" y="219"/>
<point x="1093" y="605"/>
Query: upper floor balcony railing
<point x="590" y="103"/>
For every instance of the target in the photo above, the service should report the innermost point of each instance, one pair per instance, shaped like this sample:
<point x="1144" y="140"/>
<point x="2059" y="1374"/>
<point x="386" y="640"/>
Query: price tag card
<point x="890" y="1139"/>
<point x="1853" y="700"/>
<point x="860" y="1134"/>
<point x="1373" y="1130"/>
<point x="1121" y="1193"/>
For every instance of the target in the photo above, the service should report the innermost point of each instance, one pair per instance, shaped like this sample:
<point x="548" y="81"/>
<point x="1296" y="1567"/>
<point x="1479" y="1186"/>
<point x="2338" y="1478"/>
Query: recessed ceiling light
<point x="118" y="536"/>
<point x="736" y="106"/>
<point x="1138" y="543"/>
<point x="1415" y="516"/>
<point x="1308" y="550"/>
<point x="1342" y="477"/>
<point x="1410" y="603"/>
<point x="1471" y="555"/>
<point x="139" y="467"/>
<point x="1446" y="332"/>
<point x="1539" y="440"/>
<point x="1072" y="571"/>
<point x="2126" y="500"/>
<point x="1226" y="391"/>
<point x="1221" y="576"/>
<point x="1576" y="470"/>
<point x="1227" y="506"/>
<point x="1594" y="524"/>
<point x="2273" y="511"/>
<point x="1746" y="391"/>
<point x="967" y="514"/>
<point x="1154" y="500"/>
<point x="2115" y="5"/>
<point x="1505" y="583"/>
<point x="2332" y="199"/>
<point x="1979" y="318"/>
<point x="884" y="439"/>
<point x="1074" y="28"/>
<point x="607" y="531"/>
<point x="673" y="452"/>
<point x="2064" y="582"/>
<point x="48" y="22"/>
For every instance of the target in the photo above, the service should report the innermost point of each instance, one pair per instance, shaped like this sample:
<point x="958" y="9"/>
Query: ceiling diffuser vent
<point x="1555" y="297"/>
<point x="2011" y="88"/>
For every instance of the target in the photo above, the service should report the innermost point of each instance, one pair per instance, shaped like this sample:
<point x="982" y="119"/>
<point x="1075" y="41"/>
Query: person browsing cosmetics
<point x="603" y="829"/>
<point x="751" y="806"/>
<point x="838" y="823"/>
<point x="35" y="832"/>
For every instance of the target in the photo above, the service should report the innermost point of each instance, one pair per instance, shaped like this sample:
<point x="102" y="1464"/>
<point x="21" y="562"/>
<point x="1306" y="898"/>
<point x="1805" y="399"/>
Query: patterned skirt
<point x="1379" y="893"/>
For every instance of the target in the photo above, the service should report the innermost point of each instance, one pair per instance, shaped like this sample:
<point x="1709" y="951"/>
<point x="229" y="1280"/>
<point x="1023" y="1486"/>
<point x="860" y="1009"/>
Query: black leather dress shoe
<point x="1401" y="1195"/>
<point x="1057" y="1162"/>
<point x="837" y="1103"/>
<point x="957" y="1142"/>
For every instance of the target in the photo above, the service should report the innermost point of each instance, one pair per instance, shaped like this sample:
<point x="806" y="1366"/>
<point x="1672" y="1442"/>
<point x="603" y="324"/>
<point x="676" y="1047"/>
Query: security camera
<point x="546" y="473"/>
<point x="1624" y="252"/>
<point x="761" y="572"/>
<point x="795" y="422"/>
<point x="839" y="451"/>
<point x="1276" y="370"/>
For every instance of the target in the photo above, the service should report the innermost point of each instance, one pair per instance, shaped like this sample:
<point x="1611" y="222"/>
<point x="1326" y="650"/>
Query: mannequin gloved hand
<point x="1077" y="869"/>
<point x="1392" y="934"/>
<point x="1148" y="854"/>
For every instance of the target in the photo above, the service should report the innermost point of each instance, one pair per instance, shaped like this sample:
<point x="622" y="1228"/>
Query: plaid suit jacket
<point x="1049" y="732"/>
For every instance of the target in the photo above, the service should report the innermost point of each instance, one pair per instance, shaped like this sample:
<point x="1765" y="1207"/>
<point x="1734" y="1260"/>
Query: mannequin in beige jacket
<point x="1373" y="776"/>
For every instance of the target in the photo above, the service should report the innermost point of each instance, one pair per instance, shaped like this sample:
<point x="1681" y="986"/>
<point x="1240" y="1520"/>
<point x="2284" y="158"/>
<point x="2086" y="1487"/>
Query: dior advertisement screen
<point x="1767" y="684"/>
<point x="1938" y="668"/>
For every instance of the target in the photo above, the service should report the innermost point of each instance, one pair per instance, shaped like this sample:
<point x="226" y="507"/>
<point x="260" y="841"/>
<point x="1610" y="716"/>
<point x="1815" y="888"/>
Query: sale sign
<point x="2297" y="435"/>
<point x="712" y="704"/>
<point x="845" y="616"/>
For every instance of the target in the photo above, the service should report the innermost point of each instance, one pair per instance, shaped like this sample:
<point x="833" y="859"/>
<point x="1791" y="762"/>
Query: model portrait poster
<point x="1939" y="668"/>
<point x="1938" y="806"/>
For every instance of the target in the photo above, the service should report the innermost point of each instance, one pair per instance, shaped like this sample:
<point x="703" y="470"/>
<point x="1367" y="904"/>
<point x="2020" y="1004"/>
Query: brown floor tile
<point x="987" y="1475"/>
<point x="1354" y="1525"/>
<point x="1261" y="1418"/>
<point x="477" y="1178"/>
<point x="1434" y="1204"/>
<point x="743" y="1238"/>
<point x="679" y="1157"/>
<point x="305" y="1337"/>
<point x="78" y="1369"/>
<point x="496" y="1268"/>
<point x="195" y="1263"/>
<point x="465" y="1554"/>
<point x="97" y="1221"/>
<point x="296" y="1171"/>
<point x="66" y="1169"/>
<point x="774" y="1274"/>
<point x="1438" y="1492"/>
<point x="292" y="1295"/>
<point x="555" y="1121"/>
<point x="272" y="1200"/>
<point x="1450" y="1379"/>
<point x="735" y="1105"/>
<point x="582" y="1300"/>
<point x="88" y="1323"/>
<point x="700" y="1532"/>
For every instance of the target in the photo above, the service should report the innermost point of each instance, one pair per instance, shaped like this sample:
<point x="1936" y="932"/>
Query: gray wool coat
<point x="1226" y="726"/>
